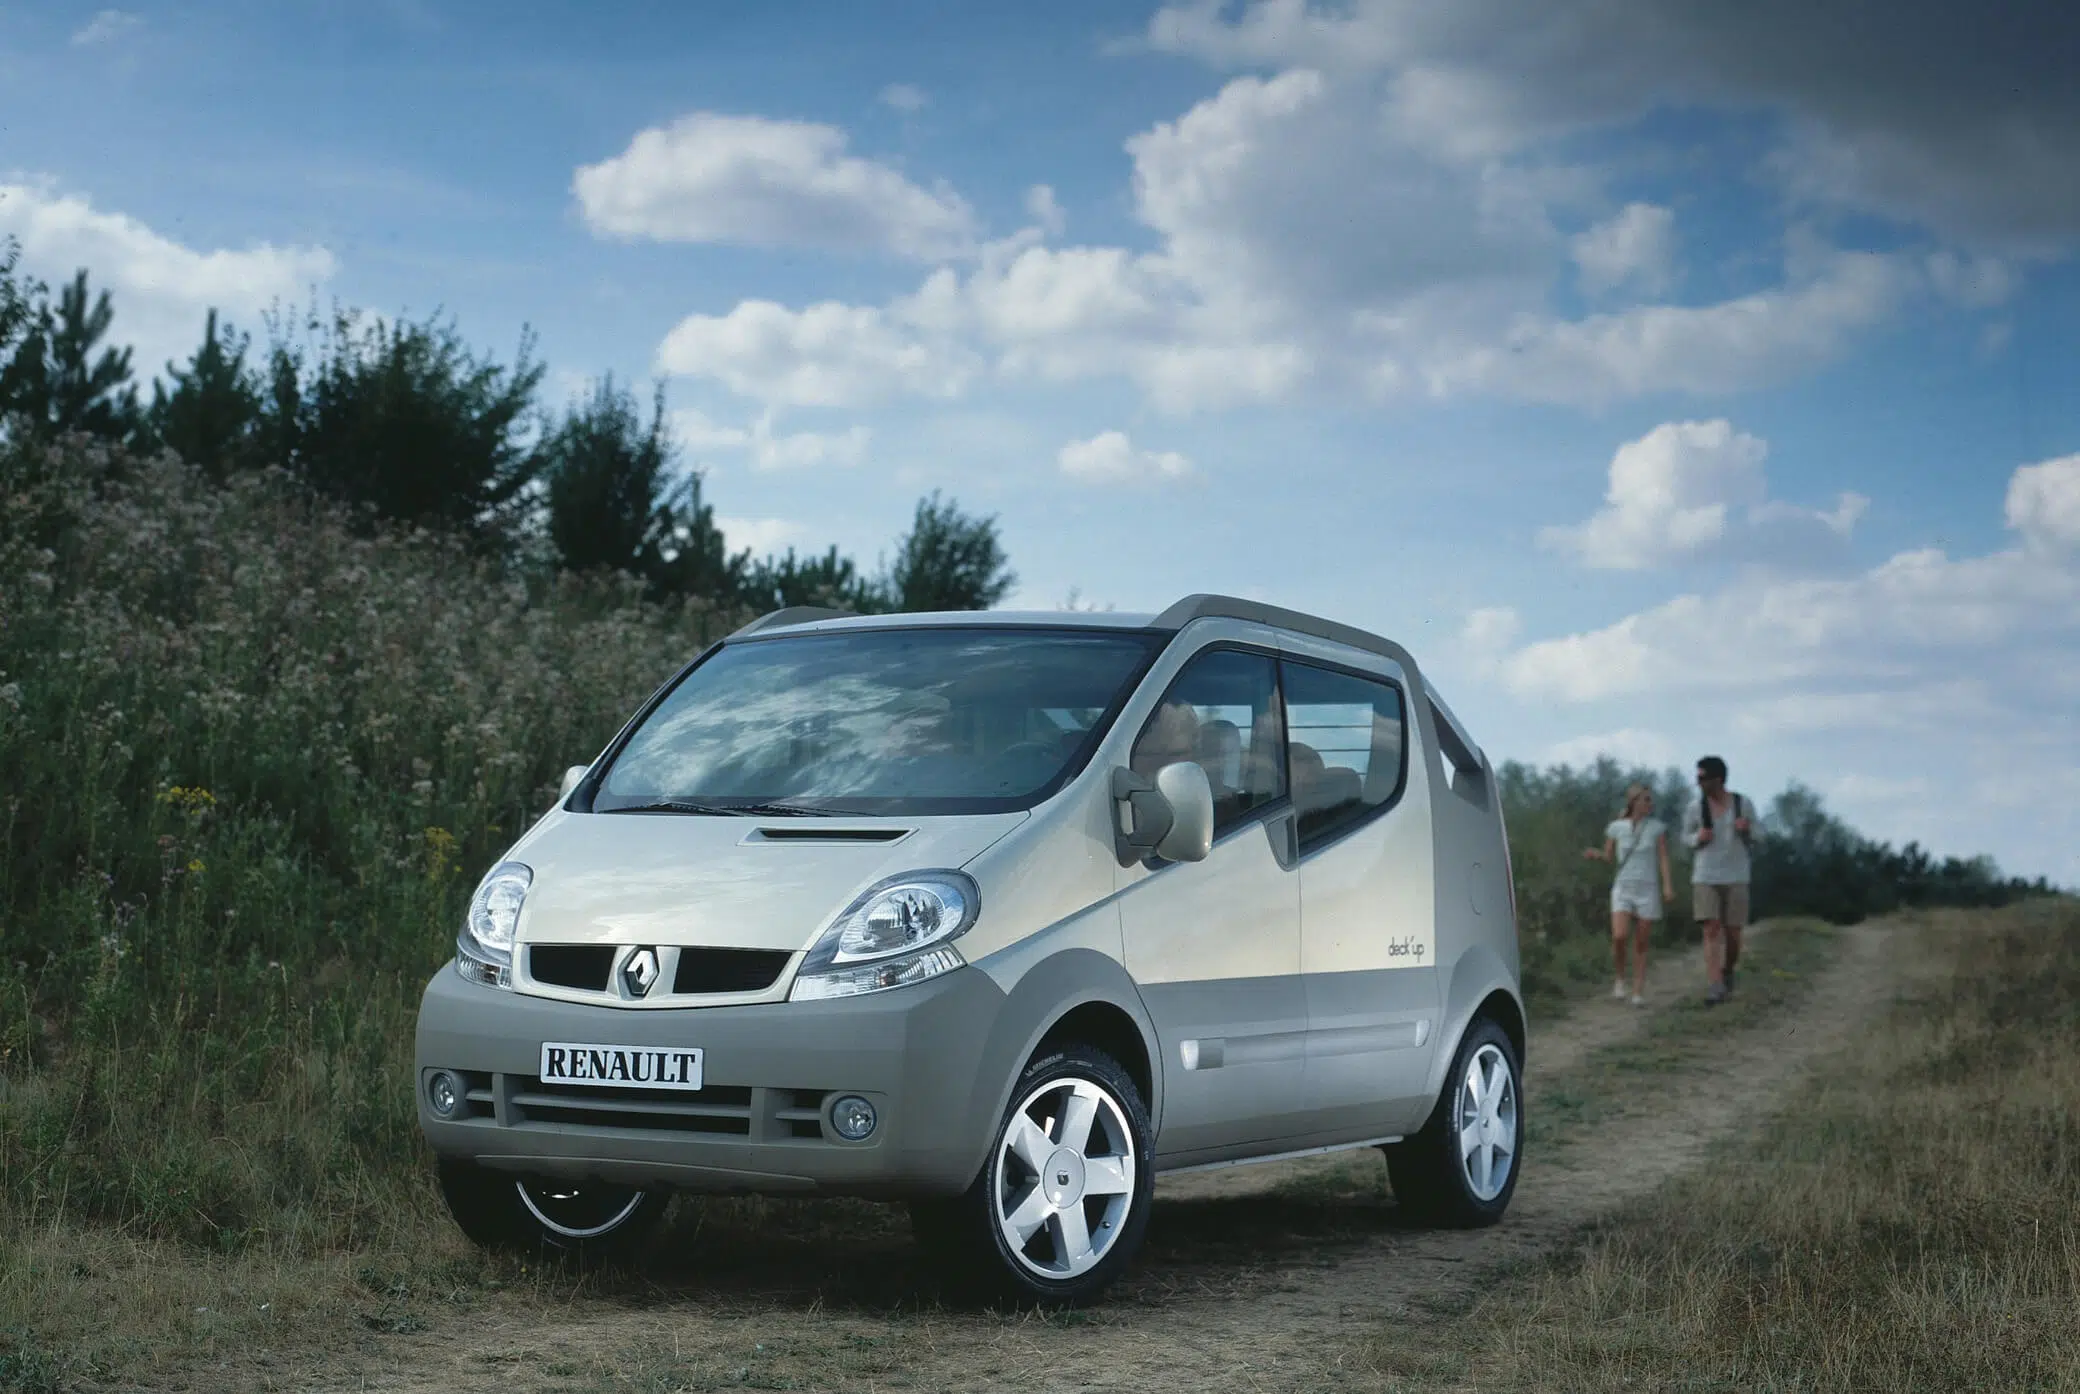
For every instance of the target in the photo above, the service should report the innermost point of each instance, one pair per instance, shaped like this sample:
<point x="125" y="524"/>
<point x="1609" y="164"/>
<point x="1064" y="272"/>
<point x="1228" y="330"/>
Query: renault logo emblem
<point x="640" y="973"/>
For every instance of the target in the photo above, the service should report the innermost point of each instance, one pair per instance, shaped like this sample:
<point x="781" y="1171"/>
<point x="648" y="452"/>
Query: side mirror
<point x="571" y="777"/>
<point x="1169" y="817"/>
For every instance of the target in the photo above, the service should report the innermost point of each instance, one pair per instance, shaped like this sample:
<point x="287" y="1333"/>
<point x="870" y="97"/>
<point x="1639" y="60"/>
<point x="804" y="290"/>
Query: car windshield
<point x="893" y="722"/>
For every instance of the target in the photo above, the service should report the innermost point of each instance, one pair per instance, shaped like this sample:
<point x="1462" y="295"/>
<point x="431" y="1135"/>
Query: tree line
<point x="1806" y="860"/>
<point x="407" y="424"/>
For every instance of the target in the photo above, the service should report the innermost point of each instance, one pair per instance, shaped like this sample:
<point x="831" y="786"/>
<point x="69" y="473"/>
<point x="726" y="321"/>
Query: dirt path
<point x="1254" y="1277"/>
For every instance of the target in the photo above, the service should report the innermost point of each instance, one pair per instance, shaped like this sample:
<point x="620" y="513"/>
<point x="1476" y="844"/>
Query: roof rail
<point x="792" y="614"/>
<point x="1194" y="607"/>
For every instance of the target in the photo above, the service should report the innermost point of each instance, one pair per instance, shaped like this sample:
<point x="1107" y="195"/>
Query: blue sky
<point x="1668" y="384"/>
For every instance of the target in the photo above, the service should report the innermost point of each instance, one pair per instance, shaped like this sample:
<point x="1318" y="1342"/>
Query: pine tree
<point x="212" y="416"/>
<point x="831" y="581"/>
<point x="612" y="503"/>
<point x="19" y="299"/>
<point x="57" y="383"/>
<point x="948" y="561"/>
<point x="404" y="420"/>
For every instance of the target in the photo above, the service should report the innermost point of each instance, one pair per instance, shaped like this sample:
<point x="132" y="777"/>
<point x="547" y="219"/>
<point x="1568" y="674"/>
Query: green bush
<point x="254" y="759"/>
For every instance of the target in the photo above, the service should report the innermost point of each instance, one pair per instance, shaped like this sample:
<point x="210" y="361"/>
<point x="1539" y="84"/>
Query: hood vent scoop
<point x="801" y="834"/>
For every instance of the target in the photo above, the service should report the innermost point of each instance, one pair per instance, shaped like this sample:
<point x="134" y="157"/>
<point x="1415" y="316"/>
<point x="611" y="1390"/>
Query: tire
<point x="582" y="1221"/>
<point x="1436" y="1180"/>
<point x="1083" y="1208"/>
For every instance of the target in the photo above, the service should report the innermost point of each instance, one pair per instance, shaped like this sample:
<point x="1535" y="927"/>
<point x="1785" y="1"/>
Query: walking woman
<point x="1635" y="903"/>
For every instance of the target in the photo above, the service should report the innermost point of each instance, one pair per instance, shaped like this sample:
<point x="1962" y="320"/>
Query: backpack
<point x="1740" y="803"/>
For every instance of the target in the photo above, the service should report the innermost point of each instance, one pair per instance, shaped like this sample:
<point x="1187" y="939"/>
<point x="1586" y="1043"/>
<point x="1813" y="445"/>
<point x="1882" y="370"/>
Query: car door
<point x="1368" y="947"/>
<point x="1215" y="945"/>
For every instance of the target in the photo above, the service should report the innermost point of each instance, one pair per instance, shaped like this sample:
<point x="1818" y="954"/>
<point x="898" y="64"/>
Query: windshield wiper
<point x="721" y="810"/>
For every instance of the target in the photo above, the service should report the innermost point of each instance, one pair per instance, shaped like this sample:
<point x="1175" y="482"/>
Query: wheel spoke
<point x="1487" y="1168"/>
<point x="1029" y="1144"/>
<point x="1077" y="1115"/>
<point x="1072" y="1236"/>
<point x="1469" y="1138"/>
<point x="1032" y="1212"/>
<point x="1106" y="1176"/>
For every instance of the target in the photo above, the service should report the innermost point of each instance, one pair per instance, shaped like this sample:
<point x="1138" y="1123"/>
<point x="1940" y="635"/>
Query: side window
<point x="1345" y="739"/>
<point x="1222" y="711"/>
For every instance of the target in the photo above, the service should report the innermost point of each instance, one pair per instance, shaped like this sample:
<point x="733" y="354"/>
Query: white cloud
<point x="1635" y="248"/>
<point x="905" y="97"/>
<point x="1919" y="615"/>
<point x="1628" y="746"/>
<point x="1304" y="244"/>
<point x="1689" y="489"/>
<point x="161" y="289"/>
<point x="763" y="536"/>
<point x="693" y="429"/>
<point x="1041" y="207"/>
<point x="1110" y="458"/>
<point x="768" y="449"/>
<point x="2044" y="502"/>
<point x="1750" y="341"/>
<point x="807" y="449"/>
<point x="1911" y="109"/>
<point x="747" y="180"/>
<point x="1492" y="629"/>
<point x="106" y="27"/>
<point x="829" y="354"/>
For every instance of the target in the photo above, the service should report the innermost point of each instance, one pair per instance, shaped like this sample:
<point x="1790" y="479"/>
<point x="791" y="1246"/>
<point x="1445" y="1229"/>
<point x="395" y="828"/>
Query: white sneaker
<point x="1637" y="1001"/>
<point x="1618" y="989"/>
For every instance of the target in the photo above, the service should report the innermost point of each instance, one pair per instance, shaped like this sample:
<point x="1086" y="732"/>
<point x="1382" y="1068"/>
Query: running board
<point x="1278" y="1156"/>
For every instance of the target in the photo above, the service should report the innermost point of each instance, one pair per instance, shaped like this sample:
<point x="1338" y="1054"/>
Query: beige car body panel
<point x="1270" y="1003"/>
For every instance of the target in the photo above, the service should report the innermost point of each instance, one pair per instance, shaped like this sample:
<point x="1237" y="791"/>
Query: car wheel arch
<point x="1060" y="999"/>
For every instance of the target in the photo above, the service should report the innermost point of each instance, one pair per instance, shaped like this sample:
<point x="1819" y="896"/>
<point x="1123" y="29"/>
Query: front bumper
<point x="760" y="1121"/>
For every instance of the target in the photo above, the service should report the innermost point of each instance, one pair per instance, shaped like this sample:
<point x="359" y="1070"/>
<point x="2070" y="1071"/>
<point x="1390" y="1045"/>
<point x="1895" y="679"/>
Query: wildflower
<point x="192" y="801"/>
<point x="440" y="852"/>
<point x="195" y="867"/>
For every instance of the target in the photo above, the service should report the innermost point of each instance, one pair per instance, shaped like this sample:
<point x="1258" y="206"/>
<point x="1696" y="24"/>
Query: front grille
<point x="720" y="1108"/>
<point x="728" y="970"/>
<point x="782" y="1116"/>
<point x="582" y="966"/>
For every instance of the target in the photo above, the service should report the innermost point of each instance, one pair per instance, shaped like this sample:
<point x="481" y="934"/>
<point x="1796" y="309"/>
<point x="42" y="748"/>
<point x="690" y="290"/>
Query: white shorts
<point x="1643" y="901"/>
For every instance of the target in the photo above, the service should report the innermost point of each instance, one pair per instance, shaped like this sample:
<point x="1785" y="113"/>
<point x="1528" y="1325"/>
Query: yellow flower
<point x="440" y="852"/>
<point x="195" y="866"/>
<point x="196" y="800"/>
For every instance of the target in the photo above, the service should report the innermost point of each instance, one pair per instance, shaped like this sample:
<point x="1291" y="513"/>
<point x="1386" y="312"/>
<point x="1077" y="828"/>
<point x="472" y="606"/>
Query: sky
<point x="1669" y="380"/>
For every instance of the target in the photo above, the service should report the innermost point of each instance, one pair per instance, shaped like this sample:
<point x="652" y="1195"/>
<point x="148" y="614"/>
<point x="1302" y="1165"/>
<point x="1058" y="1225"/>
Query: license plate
<point x="620" y="1067"/>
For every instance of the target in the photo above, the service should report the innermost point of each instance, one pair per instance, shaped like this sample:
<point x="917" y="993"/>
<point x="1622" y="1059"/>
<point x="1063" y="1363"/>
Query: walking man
<point x="1718" y="827"/>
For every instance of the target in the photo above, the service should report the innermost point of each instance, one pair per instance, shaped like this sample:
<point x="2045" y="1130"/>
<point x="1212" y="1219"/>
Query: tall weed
<point x="253" y="759"/>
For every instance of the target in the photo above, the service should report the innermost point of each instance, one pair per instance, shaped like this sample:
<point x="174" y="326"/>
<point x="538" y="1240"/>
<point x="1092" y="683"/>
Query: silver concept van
<point x="998" y="914"/>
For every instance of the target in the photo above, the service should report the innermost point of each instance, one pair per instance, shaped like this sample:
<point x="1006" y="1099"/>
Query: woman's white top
<point x="1638" y="864"/>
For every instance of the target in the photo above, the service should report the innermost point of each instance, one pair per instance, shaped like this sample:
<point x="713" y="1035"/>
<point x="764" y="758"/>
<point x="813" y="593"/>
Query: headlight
<point x="896" y="932"/>
<point x="485" y="945"/>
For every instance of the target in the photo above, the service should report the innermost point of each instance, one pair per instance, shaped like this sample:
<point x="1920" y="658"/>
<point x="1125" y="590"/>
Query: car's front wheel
<point x="1062" y="1202"/>
<point x="1461" y="1169"/>
<point x="584" y="1220"/>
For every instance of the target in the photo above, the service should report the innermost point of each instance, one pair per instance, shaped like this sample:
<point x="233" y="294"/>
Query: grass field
<point x="1910" y="1222"/>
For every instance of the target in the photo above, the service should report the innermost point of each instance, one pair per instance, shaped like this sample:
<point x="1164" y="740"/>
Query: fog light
<point x="853" y="1117"/>
<point x="444" y="1093"/>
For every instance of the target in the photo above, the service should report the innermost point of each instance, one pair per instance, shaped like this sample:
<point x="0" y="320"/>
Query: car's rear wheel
<point x="1460" y="1170"/>
<point x="583" y="1220"/>
<point x="1061" y="1205"/>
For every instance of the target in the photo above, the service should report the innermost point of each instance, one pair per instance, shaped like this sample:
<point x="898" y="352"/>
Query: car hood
<point x="722" y="882"/>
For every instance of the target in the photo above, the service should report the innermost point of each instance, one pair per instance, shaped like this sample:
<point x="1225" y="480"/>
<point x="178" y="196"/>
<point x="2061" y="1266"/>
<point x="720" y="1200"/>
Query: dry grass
<point x="1912" y="1222"/>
